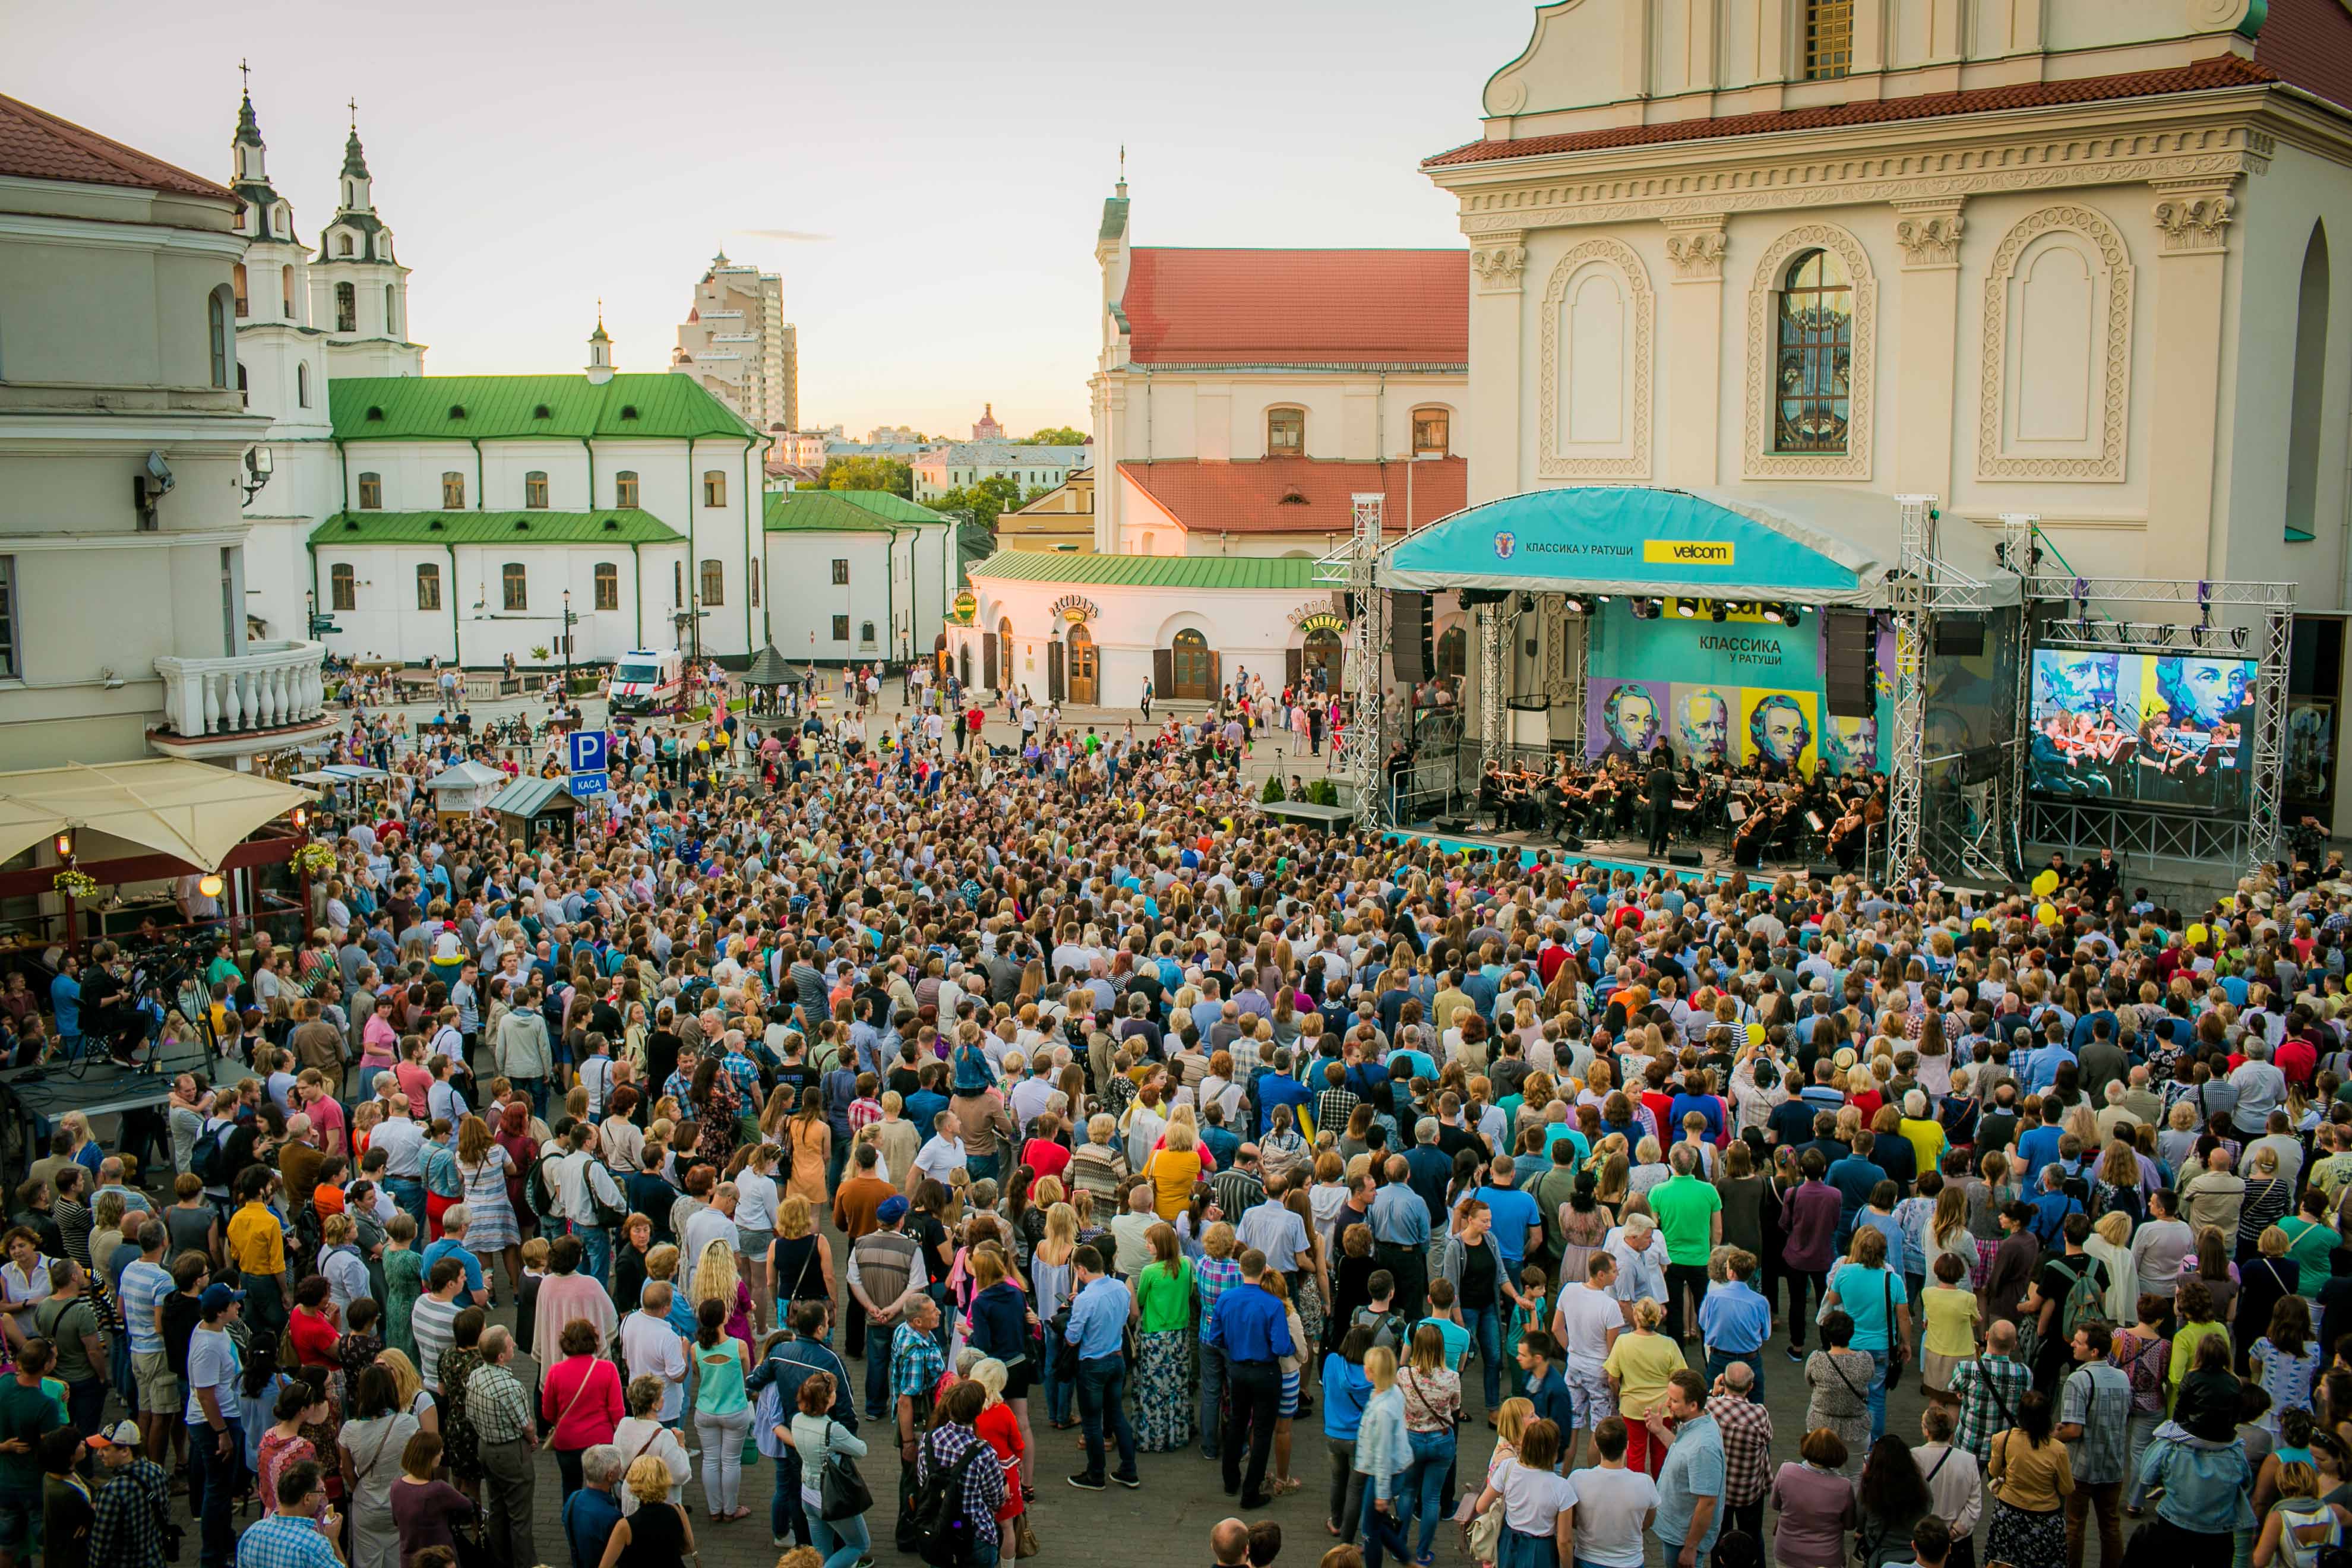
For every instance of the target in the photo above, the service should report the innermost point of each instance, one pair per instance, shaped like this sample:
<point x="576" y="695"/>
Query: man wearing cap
<point x="132" y="1504"/>
<point x="216" y="1444"/>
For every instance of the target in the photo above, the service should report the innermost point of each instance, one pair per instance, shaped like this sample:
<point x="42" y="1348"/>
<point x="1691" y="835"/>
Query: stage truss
<point x="2263" y="612"/>
<point x="1363" y="749"/>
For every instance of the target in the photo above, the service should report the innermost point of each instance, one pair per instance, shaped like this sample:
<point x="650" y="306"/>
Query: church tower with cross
<point x="281" y="359"/>
<point x="359" y="290"/>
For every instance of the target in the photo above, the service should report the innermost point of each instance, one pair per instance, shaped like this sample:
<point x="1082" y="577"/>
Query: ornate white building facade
<point x="2087" y="261"/>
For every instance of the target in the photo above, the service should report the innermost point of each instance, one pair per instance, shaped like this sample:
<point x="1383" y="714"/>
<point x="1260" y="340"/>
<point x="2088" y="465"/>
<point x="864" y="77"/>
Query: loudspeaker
<point x="1682" y="858"/>
<point x="1822" y="873"/>
<point x="1409" y="621"/>
<point x="1959" y="636"/>
<point x="1569" y="841"/>
<point x="1846" y="665"/>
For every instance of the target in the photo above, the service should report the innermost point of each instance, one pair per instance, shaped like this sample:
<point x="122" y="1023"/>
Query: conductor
<point x="1660" y="790"/>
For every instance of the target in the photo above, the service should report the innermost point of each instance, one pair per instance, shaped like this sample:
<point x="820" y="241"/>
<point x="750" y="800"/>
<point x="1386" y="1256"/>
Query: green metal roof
<point x="1210" y="571"/>
<point x="624" y="527"/>
<point x="527" y="796"/>
<point x="819" y="511"/>
<point x="896" y="507"/>
<point x="504" y="408"/>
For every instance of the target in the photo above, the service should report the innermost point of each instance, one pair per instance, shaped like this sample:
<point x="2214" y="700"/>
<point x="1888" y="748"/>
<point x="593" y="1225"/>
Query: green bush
<point x="1273" y="791"/>
<point x="1323" y="792"/>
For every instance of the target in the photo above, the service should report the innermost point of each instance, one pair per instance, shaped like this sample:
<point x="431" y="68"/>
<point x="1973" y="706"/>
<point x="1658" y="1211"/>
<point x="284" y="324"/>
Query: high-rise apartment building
<point x="736" y="343"/>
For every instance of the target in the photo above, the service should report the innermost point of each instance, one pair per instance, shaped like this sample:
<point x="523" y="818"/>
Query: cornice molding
<point x="1958" y="162"/>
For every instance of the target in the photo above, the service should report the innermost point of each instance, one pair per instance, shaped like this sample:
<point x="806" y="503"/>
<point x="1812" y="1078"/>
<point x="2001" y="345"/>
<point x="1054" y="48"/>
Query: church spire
<point x="599" y="350"/>
<point x="265" y="216"/>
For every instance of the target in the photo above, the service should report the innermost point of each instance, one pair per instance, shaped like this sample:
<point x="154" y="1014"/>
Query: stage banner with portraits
<point x="1723" y="694"/>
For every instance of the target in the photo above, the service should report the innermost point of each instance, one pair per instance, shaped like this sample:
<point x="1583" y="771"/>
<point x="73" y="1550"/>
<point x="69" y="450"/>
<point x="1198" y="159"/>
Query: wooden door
<point x="988" y="660"/>
<point x="1054" y="671"/>
<point x="1193" y="676"/>
<point x="1085" y="690"/>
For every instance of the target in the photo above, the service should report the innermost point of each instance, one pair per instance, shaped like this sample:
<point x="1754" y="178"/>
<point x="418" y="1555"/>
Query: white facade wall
<point x="472" y="624"/>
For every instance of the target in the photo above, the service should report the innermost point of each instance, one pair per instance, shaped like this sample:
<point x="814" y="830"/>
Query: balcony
<point x="272" y="696"/>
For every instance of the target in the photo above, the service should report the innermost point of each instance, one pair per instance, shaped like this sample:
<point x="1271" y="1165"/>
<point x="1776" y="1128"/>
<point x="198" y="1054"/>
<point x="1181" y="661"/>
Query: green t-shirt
<point x="1686" y="1208"/>
<point x="1164" y="1297"/>
<point x="29" y="1414"/>
<point x="1457" y="1341"/>
<point x="2309" y="1244"/>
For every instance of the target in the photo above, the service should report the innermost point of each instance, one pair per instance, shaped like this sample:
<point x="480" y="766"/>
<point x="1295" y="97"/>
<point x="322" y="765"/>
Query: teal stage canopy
<point x="1819" y="545"/>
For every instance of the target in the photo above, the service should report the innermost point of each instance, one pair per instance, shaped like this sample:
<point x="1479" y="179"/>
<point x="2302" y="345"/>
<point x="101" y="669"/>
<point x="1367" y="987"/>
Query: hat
<point x="892" y="1210"/>
<point x="121" y="1434"/>
<point x="217" y="1299"/>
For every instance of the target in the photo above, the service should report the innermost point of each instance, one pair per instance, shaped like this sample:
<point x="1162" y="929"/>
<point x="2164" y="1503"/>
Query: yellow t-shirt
<point x="255" y="1244"/>
<point x="1952" y="1313"/>
<point x="1642" y="1363"/>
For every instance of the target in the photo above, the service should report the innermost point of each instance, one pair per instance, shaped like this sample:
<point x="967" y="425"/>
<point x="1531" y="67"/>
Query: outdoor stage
<point x="34" y="1097"/>
<point x="1827" y="634"/>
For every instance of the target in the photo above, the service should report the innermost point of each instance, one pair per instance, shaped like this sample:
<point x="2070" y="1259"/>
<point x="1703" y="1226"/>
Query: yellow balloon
<point x="2229" y="903"/>
<point x="2195" y="934"/>
<point x="2045" y="884"/>
<point x="1980" y="924"/>
<point x="2047" y="914"/>
<point x="1755" y="1034"/>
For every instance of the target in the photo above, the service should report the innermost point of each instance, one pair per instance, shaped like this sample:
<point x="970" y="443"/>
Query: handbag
<point x="842" y="1491"/>
<point x="1483" y="1535"/>
<point x="1024" y="1536"/>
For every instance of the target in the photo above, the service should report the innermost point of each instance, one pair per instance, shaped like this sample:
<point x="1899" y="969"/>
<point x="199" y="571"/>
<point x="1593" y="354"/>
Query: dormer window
<point x="628" y="411"/>
<point x="456" y="411"/>
<point x="1285" y="432"/>
<point x="375" y="413"/>
<point x="542" y="411"/>
<point x="342" y="245"/>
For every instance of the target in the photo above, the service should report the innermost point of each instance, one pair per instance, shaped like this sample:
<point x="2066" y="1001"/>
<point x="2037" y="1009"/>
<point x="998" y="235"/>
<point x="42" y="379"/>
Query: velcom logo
<point x="1687" y="552"/>
<point x="1506" y="544"/>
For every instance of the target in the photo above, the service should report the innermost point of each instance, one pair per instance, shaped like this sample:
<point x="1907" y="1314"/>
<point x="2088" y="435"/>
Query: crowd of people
<point x="1088" y="1101"/>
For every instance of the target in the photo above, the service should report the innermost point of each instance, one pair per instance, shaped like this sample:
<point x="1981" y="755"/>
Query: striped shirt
<point x="144" y="1286"/>
<point x="433" y="1323"/>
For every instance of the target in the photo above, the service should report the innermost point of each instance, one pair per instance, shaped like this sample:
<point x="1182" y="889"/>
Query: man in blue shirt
<point x="1098" y="1314"/>
<point x="1733" y="1321"/>
<point x="1854" y="1177"/>
<point x="590" y="1513"/>
<point x="1518" y="1222"/>
<point x="1254" y="1330"/>
<point x="1401" y="1229"/>
<point x="1691" y="1482"/>
<point x="2040" y="1146"/>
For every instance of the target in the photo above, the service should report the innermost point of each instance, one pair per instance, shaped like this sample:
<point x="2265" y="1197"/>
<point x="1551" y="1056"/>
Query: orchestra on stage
<point x="1764" y="810"/>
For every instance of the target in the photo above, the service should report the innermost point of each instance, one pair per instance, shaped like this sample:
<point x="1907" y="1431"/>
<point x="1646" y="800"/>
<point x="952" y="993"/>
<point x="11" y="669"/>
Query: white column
<point x="1926" y="324"/>
<point x="2194" y="217"/>
<point x="1496" y="361"/>
<point x="1693" y="348"/>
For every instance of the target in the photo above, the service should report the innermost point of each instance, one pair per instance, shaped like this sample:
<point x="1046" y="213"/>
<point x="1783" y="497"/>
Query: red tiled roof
<point x="1295" y="495"/>
<point x="2309" y="43"/>
<point x="35" y="146"/>
<point x="2221" y="71"/>
<point x="1298" y="307"/>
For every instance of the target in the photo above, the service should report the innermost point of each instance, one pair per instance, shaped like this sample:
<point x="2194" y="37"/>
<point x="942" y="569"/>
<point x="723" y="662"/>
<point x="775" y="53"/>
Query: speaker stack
<point x="1847" y="645"/>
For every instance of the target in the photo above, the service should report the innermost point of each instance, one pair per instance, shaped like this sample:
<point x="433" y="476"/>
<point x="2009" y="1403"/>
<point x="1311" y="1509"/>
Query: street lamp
<point x="567" y="644"/>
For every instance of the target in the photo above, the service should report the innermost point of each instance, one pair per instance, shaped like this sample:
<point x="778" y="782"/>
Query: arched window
<point x="453" y="491"/>
<point x="755" y="582"/>
<point x="1452" y="649"/>
<point x="342" y="588"/>
<point x="1813" y="355"/>
<point x="1285" y="432"/>
<point x="286" y="288"/>
<point x="2309" y="386"/>
<point x="342" y="247"/>
<point x="714" y="487"/>
<point x="534" y="490"/>
<point x="714" y="583"/>
<point x="236" y="281"/>
<point x="608" y="585"/>
<point x="514" y="590"/>
<point x="865" y="634"/>
<point x="429" y="586"/>
<point x="370" y="492"/>
<point x="347" y="303"/>
<point x="1432" y="432"/>
<point x="391" y="311"/>
<point x="217" y="321"/>
<point x="1829" y="38"/>
<point x="303" y="384"/>
<point x="625" y="489"/>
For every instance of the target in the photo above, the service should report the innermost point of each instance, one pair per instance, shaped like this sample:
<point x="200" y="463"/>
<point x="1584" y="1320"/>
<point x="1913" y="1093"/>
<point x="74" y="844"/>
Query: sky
<point x="926" y="176"/>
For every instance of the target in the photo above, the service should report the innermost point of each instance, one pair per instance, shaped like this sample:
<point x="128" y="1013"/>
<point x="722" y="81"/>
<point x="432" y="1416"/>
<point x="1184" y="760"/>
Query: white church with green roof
<point x="450" y="517"/>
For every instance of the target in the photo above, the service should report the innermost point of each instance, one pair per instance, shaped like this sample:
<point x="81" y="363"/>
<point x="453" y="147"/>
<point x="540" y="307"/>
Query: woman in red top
<point x="582" y="1396"/>
<point x="311" y="1325"/>
<point x="283" y="1445"/>
<point x="1001" y="1427"/>
<point x="513" y="1135"/>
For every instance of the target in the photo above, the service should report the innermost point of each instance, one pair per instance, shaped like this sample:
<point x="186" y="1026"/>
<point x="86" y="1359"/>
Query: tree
<point x="868" y="474"/>
<point x="982" y="501"/>
<point x="1058" y="435"/>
